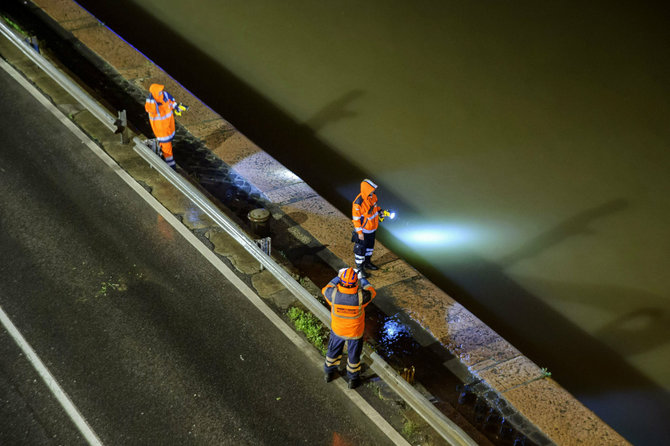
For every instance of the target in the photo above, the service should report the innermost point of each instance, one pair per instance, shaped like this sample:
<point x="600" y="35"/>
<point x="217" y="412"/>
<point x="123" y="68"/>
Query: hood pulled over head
<point x="157" y="92"/>
<point x="367" y="187"/>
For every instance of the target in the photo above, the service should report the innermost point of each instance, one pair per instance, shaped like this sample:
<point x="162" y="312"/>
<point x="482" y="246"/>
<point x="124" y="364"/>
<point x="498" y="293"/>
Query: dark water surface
<point x="524" y="146"/>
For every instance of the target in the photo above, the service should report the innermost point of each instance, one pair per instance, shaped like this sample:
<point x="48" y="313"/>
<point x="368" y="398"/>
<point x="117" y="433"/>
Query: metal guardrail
<point x="442" y="425"/>
<point x="75" y="90"/>
<point x="213" y="212"/>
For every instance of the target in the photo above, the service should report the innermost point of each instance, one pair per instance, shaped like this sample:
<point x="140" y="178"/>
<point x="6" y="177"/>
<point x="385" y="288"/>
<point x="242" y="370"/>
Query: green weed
<point x="105" y="287"/>
<point x="409" y="428"/>
<point x="376" y="389"/>
<point x="311" y="326"/>
<point x="14" y="25"/>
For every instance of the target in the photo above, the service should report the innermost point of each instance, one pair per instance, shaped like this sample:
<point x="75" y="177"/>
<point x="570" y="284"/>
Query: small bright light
<point x="392" y="215"/>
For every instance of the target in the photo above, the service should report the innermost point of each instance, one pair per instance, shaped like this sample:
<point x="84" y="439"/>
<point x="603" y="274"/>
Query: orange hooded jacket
<point x="159" y="106"/>
<point x="365" y="212"/>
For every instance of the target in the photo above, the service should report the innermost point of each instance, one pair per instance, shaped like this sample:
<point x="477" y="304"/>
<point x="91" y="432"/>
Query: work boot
<point x="369" y="265"/>
<point x="354" y="382"/>
<point x="328" y="376"/>
<point x="360" y="271"/>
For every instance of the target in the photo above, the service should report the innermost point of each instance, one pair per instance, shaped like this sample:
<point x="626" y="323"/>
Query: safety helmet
<point x="348" y="277"/>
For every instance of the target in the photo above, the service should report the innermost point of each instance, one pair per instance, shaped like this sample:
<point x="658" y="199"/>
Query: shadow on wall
<point x="482" y="286"/>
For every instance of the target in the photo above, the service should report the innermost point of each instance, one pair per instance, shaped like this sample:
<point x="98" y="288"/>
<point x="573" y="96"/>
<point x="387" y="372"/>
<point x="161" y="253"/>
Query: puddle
<point x="391" y="337"/>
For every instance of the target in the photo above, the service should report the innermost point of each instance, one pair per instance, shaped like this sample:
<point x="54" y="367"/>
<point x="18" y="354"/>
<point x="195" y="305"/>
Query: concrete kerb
<point x="483" y="356"/>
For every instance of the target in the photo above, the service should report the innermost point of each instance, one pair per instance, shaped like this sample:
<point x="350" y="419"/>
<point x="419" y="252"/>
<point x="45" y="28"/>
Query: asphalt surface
<point x="146" y="337"/>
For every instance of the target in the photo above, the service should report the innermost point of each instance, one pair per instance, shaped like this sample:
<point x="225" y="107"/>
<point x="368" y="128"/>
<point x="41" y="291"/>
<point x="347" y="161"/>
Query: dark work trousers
<point x="334" y="355"/>
<point x="363" y="248"/>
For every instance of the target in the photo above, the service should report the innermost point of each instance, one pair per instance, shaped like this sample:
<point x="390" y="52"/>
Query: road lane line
<point x="50" y="381"/>
<point x="383" y="425"/>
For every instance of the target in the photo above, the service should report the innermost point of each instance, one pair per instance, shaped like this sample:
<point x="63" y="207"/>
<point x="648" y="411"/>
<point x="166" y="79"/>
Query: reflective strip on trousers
<point x="165" y="138"/>
<point x="330" y="362"/>
<point x="353" y="368"/>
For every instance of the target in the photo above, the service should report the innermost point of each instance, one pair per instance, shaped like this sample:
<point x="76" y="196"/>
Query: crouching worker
<point x="347" y="296"/>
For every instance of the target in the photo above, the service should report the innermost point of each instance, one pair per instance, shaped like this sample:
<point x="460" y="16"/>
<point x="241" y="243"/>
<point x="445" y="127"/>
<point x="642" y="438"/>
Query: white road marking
<point x="303" y="345"/>
<point x="50" y="381"/>
<point x="39" y="366"/>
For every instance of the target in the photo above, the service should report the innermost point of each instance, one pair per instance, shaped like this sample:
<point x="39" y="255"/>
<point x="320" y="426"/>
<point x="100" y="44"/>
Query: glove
<point x="180" y="108"/>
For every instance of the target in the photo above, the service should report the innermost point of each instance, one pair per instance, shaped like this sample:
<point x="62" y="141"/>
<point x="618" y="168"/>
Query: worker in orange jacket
<point x="347" y="296"/>
<point x="160" y="106"/>
<point x="365" y="216"/>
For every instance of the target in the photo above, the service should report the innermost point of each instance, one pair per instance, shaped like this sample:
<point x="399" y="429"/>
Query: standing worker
<point x="366" y="216"/>
<point x="347" y="299"/>
<point x="160" y="105"/>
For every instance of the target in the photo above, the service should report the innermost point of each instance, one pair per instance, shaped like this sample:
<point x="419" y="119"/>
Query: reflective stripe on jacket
<point x="347" y="307"/>
<point x="159" y="106"/>
<point x="365" y="212"/>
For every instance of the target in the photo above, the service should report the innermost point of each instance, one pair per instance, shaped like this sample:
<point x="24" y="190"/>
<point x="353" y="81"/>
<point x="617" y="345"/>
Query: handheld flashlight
<point x="387" y="213"/>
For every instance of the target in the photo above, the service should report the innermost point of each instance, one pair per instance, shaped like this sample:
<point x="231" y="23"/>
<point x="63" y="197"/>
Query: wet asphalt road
<point x="150" y="342"/>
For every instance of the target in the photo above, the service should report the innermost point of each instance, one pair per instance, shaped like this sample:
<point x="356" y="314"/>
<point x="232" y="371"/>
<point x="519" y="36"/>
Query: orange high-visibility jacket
<point x="365" y="212"/>
<point x="159" y="106"/>
<point x="347" y="307"/>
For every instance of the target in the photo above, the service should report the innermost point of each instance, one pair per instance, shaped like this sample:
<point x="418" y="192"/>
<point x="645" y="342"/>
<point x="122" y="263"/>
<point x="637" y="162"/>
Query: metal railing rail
<point x="444" y="426"/>
<point x="437" y="420"/>
<point x="71" y="87"/>
<point x="211" y="210"/>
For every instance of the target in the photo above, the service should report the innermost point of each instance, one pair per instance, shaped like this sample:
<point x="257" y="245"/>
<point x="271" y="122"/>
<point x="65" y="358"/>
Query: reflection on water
<point x="393" y="338"/>
<point x="428" y="236"/>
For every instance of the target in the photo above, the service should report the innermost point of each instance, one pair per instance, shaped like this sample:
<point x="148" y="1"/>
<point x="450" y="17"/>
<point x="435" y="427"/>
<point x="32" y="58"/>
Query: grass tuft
<point x="409" y="428"/>
<point x="14" y="25"/>
<point x="311" y="326"/>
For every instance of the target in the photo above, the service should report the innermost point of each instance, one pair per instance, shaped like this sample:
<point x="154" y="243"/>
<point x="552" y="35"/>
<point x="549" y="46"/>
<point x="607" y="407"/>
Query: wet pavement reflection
<point x="395" y="339"/>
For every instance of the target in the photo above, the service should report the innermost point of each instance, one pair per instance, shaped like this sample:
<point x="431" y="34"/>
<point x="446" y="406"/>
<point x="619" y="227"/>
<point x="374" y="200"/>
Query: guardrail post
<point x="122" y="126"/>
<point x="265" y="244"/>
